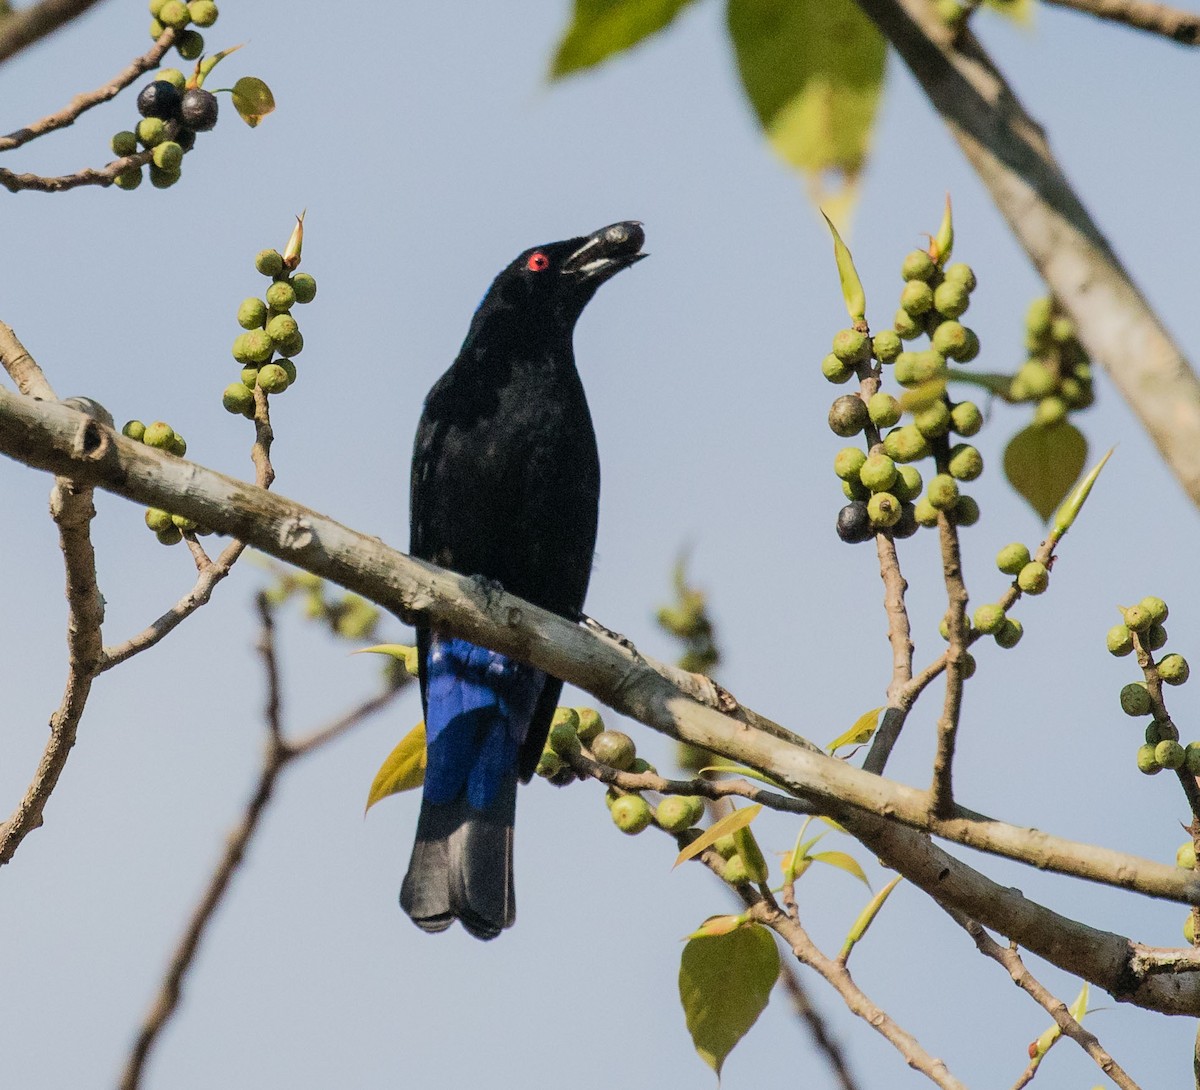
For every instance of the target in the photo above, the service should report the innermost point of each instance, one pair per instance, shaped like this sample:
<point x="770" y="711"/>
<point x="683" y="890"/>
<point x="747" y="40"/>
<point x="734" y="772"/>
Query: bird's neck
<point x="514" y="334"/>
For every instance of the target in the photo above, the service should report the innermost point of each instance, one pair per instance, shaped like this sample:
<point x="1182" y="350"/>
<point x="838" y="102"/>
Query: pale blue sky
<point x="428" y="151"/>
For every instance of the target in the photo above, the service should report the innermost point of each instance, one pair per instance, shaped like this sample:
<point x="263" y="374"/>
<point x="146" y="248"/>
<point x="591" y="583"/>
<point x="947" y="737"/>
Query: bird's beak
<point x="607" y="251"/>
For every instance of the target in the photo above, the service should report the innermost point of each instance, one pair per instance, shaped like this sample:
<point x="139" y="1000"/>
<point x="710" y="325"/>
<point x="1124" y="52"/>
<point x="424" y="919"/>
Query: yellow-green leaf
<point x="725" y="982"/>
<point x="813" y="71"/>
<point x="716" y="926"/>
<point x="843" y="862"/>
<point x="1079" y="1007"/>
<point x="601" y="28"/>
<point x="852" y="290"/>
<point x="739" y="819"/>
<point x="400" y="651"/>
<point x="751" y="853"/>
<point x="862" y="730"/>
<point x="1019" y="11"/>
<point x="742" y="770"/>
<point x="404" y="768"/>
<point x="252" y="99"/>
<point x="943" y="241"/>
<point x="867" y="916"/>
<point x="1042" y="463"/>
<point x="1065" y="516"/>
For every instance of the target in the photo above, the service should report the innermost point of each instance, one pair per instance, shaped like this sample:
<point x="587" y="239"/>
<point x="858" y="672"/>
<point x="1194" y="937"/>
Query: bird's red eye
<point x="537" y="262"/>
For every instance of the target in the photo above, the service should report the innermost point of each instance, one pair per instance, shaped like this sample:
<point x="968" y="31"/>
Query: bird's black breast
<point x="506" y="478"/>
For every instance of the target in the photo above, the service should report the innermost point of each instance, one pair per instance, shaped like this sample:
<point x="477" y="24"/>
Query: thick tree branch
<point x="1009" y="152"/>
<point x="1180" y="26"/>
<point x="55" y="438"/>
<point x="31" y="24"/>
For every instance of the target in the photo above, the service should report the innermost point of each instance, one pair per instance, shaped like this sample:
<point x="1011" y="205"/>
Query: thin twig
<point x="81" y="103"/>
<point x="15" y="183"/>
<point x="941" y="791"/>
<point x="278" y="754"/>
<point x="1182" y="27"/>
<point x="1055" y="1007"/>
<point x="22" y="28"/>
<point x="807" y="1013"/>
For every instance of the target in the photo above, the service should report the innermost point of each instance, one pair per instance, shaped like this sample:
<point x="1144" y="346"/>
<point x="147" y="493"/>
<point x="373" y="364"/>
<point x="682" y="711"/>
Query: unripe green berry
<point x="917" y="368"/>
<point x="128" y="179"/>
<point x="549" y="765"/>
<point x="1038" y="316"/>
<point x="254" y="346"/>
<point x="854" y="489"/>
<point x="150" y="131"/>
<point x="237" y="399"/>
<point x="124" y="143"/>
<point x="1119" y="640"/>
<point x="926" y="514"/>
<point x="202" y="12"/>
<point x="1012" y="558"/>
<point x="281" y="295"/>
<point x="162" y="179"/>
<point x="848" y="462"/>
<point x="590" y="725"/>
<point x="1155" y="637"/>
<point x="293" y="346"/>
<point x="878" y="473"/>
<point x="905" y="444"/>
<point x="172" y="535"/>
<point x="883" y="509"/>
<point x="736" y="872"/>
<point x="1138" y="618"/>
<point x="1185" y="857"/>
<point x="990" y="619"/>
<point x="1010" y="634"/>
<point x="886" y="345"/>
<point x="908" y="483"/>
<point x="725" y="846"/>
<point x="1034" y="578"/>
<point x="1135" y="699"/>
<point x="1146" y="760"/>
<point x="189" y="45"/>
<point x="563" y="738"/>
<point x="167" y="156"/>
<point x="675" y="813"/>
<point x="1050" y="411"/>
<point x="615" y="749"/>
<point x="949" y="337"/>
<point x="174" y="14"/>
<point x="848" y="415"/>
<point x="172" y="76"/>
<point x="1062" y="330"/>
<point x="250" y="377"/>
<point x="950" y="299"/>
<point x="640" y="764"/>
<point x="252" y="314"/>
<point x="833" y="369"/>
<point x="965" y="512"/>
<point x="631" y="814"/>
<point x="883" y="409"/>
<point x="916" y="298"/>
<point x="282" y="328"/>
<point x="851" y="346"/>
<point x="134" y="430"/>
<point x="272" y="378"/>
<point x="918" y="265"/>
<point x="942" y="491"/>
<point x="1174" y="670"/>
<point x="156" y="29"/>
<point x="289" y="368"/>
<point x="1169" y="754"/>
<point x="1033" y="381"/>
<point x="269" y="263"/>
<point x="933" y="421"/>
<point x="967" y="665"/>
<point x="305" y="287"/>
<point x="1191" y="757"/>
<point x="965" y="462"/>
<point x="907" y="327"/>
<point x="965" y="418"/>
<point x="158" y="519"/>
<point x="159" y="434"/>
<point x="178" y="446"/>
<point x="184" y="523"/>
<point x="156" y="7"/>
<point x="1156" y="607"/>
<point x="961" y="274"/>
<point x="1154" y="733"/>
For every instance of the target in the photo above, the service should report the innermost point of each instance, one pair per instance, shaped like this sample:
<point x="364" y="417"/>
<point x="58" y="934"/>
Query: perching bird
<point x="505" y="485"/>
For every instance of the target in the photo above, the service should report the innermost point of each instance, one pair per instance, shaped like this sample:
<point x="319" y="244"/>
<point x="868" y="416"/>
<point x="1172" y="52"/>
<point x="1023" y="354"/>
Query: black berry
<point x="199" y="109"/>
<point x="160" y="99"/>
<point x="854" y="523"/>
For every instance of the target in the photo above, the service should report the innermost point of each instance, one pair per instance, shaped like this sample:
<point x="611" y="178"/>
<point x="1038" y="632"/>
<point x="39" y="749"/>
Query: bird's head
<point x="549" y="285"/>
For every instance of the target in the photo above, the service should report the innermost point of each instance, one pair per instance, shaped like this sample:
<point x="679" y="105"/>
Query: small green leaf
<point x="725" y="982"/>
<point x="730" y="823"/>
<point x="862" y="730"/>
<point x="813" y="71"/>
<point x="252" y="99"/>
<point x="399" y="651"/>
<point x="716" y="926"/>
<point x="751" y="853"/>
<point x="1042" y="463"/>
<point x="601" y="28"/>
<point x="1067" y="513"/>
<point x="843" y="862"/>
<point x="943" y="241"/>
<point x="404" y="768"/>
<point x="1079" y="1007"/>
<point x="852" y="290"/>
<point x="742" y="770"/>
<point x="867" y="916"/>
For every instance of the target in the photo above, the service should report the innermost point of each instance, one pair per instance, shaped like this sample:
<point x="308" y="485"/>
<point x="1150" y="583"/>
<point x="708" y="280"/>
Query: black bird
<point x="505" y="485"/>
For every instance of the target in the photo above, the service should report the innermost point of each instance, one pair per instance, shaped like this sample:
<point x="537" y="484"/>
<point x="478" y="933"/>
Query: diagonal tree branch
<point x="1009" y="152"/>
<point x="22" y="28"/>
<point x="1182" y="27"/>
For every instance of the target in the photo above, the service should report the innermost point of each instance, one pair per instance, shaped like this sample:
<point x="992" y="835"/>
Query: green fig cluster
<point x="1142" y="629"/>
<point x="169" y="529"/>
<point x="347" y="615"/>
<point x="1057" y="376"/>
<point x="271" y="336"/>
<point x="931" y="303"/>
<point x="180" y="16"/>
<point x="172" y="114"/>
